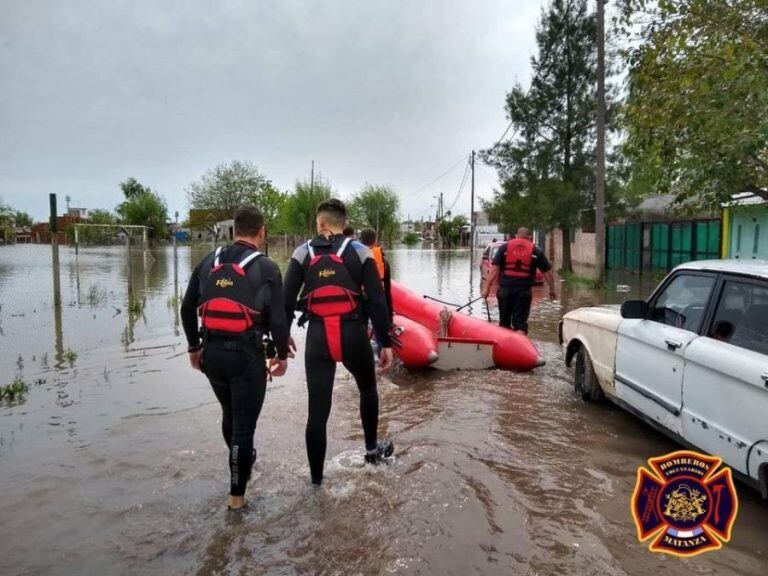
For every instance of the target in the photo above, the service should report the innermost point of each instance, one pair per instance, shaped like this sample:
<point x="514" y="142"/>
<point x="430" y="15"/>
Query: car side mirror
<point x="637" y="309"/>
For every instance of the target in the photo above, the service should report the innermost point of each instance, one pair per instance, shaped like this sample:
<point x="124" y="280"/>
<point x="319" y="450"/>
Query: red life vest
<point x="519" y="258"/>
<point x="228" y="305"/>
<point x="330" y="293"/>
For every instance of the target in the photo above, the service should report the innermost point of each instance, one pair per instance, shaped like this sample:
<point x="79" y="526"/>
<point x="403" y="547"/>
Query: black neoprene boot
<point x="384" y="449"/>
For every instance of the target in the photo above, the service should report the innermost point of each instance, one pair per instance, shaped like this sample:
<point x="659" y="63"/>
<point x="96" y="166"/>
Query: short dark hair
<point x="349" y="232"/>
<point x="334" y="209"/>
<point x="368" y="237"/>
<point x="248" y="221"/>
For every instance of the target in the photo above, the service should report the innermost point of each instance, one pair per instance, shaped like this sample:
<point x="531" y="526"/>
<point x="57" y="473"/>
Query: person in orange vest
<point x="368" y="238"/>
<point x="515" y="265"/>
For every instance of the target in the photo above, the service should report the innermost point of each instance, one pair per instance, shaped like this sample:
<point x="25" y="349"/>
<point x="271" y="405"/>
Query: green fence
<point x="661" y="245"/>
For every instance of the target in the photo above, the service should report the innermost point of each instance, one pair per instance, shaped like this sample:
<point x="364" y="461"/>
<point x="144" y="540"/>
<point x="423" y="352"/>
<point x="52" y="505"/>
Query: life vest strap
<point x="216" y="256"/>
<point x="248" y="259"/>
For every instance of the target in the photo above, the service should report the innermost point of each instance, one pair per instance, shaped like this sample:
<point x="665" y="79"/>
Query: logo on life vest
<point x="326" y="273"/>
<point x="224" y="283"/>
<point x="684" y="504"/>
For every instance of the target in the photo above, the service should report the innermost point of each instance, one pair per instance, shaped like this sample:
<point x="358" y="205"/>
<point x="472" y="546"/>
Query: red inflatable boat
<point x="415" y="345"/>
<point x="511" y="350"/>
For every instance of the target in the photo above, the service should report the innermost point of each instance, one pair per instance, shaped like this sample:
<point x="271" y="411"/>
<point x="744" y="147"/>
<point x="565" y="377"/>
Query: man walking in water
<point x="515" y="265"/>
<point x="238" y="293"/>
<point x="337" y="274"/>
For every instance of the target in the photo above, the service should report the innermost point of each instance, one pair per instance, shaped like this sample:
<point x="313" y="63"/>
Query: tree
<point x="23" y="220"/>
<point x="450" y="228"/>
<point x="145" y="209"/>
<point x="546" y="170"/>
<point x="88" y="235"/>
<point x="301" y="206"/>
<point x="697" y="109"/>
<point x="132" y="188"/>
<point x="228" y="186"/>
<point x="375" y="206"/>
<point x="272" y="203"/>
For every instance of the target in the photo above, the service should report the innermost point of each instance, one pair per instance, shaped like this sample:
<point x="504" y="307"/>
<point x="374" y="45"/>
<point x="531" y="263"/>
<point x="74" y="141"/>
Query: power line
<point x="410" y="194"/>
<point x="461" y="188"/>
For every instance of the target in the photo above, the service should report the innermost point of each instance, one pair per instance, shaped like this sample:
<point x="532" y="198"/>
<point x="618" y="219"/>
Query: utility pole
<point x="54" y="227"/>
<point x="600" y="168"/>
<point x="312" y="179"/>
<point x="472" y="215"/>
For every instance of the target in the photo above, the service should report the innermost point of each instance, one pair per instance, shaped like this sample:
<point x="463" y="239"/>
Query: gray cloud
<point x="93" y="92"/>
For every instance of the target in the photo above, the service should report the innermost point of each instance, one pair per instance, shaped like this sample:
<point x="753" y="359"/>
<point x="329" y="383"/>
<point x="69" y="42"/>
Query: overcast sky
<point x="382" y="91"/>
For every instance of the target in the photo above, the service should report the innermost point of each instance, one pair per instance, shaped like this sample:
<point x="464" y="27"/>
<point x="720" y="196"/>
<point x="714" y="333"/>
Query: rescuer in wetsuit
<point x="515" y="265"/>
<point x="232" y="356"/>
<point x="337" y="274"/>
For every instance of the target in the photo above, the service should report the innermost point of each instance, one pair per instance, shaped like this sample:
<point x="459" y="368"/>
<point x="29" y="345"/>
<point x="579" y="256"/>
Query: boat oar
<point x="468" y="303"/>
<point x="487" y="310"/>
<point x="438" y="300"/>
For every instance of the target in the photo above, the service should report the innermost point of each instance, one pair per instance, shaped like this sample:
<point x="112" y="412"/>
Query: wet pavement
<point x="113" y="464"/>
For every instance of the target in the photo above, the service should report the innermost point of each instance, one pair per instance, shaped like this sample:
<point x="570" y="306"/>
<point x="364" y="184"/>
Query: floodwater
<point x="113" y="464"/>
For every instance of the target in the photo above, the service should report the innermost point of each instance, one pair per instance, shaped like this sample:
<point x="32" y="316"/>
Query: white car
<point x="692" y="360"/>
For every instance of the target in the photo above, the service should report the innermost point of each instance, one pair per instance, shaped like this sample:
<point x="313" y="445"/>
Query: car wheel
<point x="584" y="379"/>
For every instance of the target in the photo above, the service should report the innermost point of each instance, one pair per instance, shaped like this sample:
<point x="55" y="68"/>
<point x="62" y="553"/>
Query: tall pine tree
<point x="546" y="169"/>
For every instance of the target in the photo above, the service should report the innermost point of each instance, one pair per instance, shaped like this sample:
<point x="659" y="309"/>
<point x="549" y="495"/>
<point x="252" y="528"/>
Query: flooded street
<point x="113" y="462"/>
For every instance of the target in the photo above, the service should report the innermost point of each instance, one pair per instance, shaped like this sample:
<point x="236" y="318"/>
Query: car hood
<point x="606" y="315"/>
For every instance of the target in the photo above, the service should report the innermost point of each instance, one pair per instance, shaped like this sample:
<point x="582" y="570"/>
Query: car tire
<point x="584" y="378"/>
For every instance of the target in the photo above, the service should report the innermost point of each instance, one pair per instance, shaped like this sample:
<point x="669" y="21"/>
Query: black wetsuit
<point x="514" y="295"/>
<point x="357" y="355"/>
<point x="236" y="368"/>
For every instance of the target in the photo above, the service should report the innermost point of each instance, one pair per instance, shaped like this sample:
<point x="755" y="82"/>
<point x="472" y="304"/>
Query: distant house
<point x="79" y="213"/>
<point x="203" y="222"/>
<point x="41" y="231"/>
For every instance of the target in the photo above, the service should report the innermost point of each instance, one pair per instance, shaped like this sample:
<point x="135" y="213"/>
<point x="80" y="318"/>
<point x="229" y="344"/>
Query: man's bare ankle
<point x="236" y="502"/>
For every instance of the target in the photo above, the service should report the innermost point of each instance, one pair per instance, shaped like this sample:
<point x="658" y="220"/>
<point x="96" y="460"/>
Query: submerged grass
<point x="70" y="356"/>
<point x="572" y="278"/>
<point x="15" y="390"/>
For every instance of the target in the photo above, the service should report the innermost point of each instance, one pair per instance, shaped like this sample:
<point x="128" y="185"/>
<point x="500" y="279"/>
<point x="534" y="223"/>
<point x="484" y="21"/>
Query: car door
<point x="725" y="387"/>
<point x="649" y="352"/>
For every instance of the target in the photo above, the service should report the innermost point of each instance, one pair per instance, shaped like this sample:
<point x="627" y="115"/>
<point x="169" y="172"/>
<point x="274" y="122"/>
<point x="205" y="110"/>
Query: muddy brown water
<point x="112" y="463"/>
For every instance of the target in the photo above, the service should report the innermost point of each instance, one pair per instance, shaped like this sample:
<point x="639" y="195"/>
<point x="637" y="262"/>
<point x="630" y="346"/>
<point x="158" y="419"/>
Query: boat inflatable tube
<point x="511" y="350"/>
<point x="414" y="344"/>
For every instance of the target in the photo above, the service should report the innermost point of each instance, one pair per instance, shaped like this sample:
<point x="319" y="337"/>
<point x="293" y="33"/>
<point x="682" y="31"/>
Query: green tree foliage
<point x="132" y="188"/>
<point x="6" y="220"/>
<point x="450" y="228"/>
<point x="22" y="219"/>
<point x="697" y="108"/>
<point x="272" y="203"/>
<point x="376" y="206"/>
<point x="301" y="207"/>
<point x="146" y="208"/>
<point x="411" y="239"/>
<point x="228" y="186"/>
<point x="88" y="235"/>
<point x="546" y="170"/>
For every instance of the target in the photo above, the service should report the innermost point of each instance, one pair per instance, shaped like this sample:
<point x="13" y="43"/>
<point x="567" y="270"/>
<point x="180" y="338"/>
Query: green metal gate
<point x="624" y="246"/>
<point x="661" y="245"/>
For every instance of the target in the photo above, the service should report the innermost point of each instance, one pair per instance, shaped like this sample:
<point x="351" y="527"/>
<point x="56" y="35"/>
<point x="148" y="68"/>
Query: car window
<point x="741" y="317"/>
<point x="682" y="303"/>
